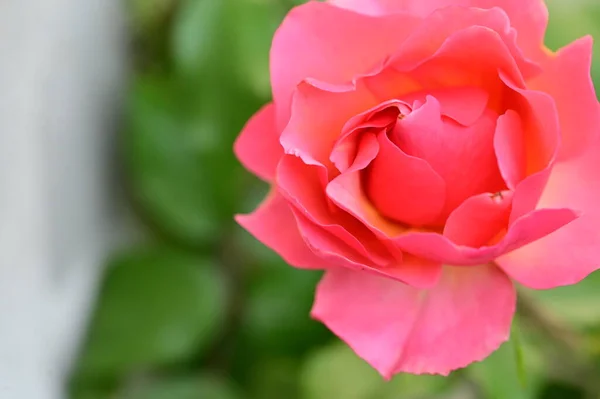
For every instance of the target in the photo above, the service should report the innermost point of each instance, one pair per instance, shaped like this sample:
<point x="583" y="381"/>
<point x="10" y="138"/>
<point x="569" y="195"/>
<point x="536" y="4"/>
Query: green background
<point x="197" y="308"/>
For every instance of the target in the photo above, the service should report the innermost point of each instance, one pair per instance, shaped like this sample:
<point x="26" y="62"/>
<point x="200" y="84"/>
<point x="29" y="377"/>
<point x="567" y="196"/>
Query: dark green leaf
<point x="202" y="387"/>
<point x="173" y="156"/>
<point x="157" y="307"/>
<point x="277" y="316"/>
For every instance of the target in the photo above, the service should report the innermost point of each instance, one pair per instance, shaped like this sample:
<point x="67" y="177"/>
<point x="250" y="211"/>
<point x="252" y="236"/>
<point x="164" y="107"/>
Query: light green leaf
<point x="197" y="33"/>
<point x="254" y="23"/>
<point x="498" y="375"/>
<point x="408" y="386"/>
<point x="337" y="372"/>
<point x="575" y="305"/>
<point x="519" y="354"/>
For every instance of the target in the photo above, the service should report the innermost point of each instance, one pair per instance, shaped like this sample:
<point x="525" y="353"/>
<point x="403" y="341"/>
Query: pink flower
<point x="426" y="154"/>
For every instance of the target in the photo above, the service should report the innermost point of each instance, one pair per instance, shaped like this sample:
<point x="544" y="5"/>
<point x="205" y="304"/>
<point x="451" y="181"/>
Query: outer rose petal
<point x="528" y="17"/>
<point x="329" y="44"/>
<point x="568" y="255"/>
<point x="274" y="225"/>
<point x="318" y="118"/>
<point x="257" y="147"/>
<point x="302" y="185"/>
<point x="410" y="270"/>
<point x="566" y="77"/>
<point x="525" y="230"/>
<point x="396" y="328"/>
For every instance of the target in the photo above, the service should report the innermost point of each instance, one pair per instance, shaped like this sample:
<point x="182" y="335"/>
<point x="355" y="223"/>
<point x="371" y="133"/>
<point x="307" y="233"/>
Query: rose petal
<point x="346" y="191"/>
<point x="419" y="273"/>
<point x="568" y="255"/>
<point x="318" y="118"/>
<point x="397" y="328"/>
<point x="274" y="225"/>
<point x="346" y="147"/>
<point x="329" y="247"/>
<point x="473" y="57"/>
<point x="566" y="78"/>
<point x="479" y="219"/>
<point x="330" y="44"/>
<point x="445" y="22"/>
<point x="541" y="143"/>
<point x="525" y="230"/>
<point x="304" y="187"/>
<point x="510" y="148"/>
<point x="463" y="104"/>
<point x="463" y="156"/>
<point x="404" y="188"/>
<point x="257" y="147"/>
<point x="528" y="17"/>
<point x="540" y="122"/>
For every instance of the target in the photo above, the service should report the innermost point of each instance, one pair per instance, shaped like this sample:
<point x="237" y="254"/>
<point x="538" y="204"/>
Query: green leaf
<point x="575" y="305"/>
<point x="570" y="20"/>
<point x="174" y="155"/>
<point x="147" y="13"/>
<point x="337" y="372"/>
<point x="408" y="386"/>
<point x="503" y="363"/>
<point x="157" y="306"/>
<point x="277" y="316"/>
<point x="90" y="394"/>
<point x="253" y="25"/>
<point x="197" y="33"/>
<point x="518" y="353"/>
<point x="203" y="387"/>
<point x="274" y="378"/>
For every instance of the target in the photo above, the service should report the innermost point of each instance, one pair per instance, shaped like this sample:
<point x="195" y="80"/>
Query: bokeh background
<point x="195" y="308"/>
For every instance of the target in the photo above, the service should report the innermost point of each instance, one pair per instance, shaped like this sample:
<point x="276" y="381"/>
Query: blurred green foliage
<point x="200" y="310"/>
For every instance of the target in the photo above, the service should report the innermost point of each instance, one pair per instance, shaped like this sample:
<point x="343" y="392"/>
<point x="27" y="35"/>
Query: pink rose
<point x="426" y="154"/>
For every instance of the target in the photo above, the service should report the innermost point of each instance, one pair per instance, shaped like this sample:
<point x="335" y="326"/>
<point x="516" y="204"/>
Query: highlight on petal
<point x="348" y="45"/>
<point x="541" y="126"/>
<point x="257" y="147"/>
<point x="509" y="145"/>
<point x="571" y="253"/>
<point x="274" y="225"/>
<point x="528" y="17"/>
<point x="446" y="23"/>
<point x="384" y="7"/>
<point x="397" y="328"/>
<point x="566" y="78"/>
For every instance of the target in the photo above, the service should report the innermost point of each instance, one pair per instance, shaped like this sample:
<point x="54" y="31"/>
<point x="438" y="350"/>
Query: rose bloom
<point x="426" y="154"/>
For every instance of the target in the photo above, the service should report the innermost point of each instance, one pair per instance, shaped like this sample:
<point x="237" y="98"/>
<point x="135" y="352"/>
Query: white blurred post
<point x="61" y="69"/>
